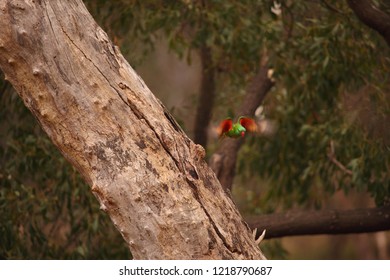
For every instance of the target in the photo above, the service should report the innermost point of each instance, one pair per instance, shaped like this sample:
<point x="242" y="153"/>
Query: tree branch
<point x="223" y="161"/>
<point x="333" y="159"/>
<point x="370" y="15"/>
<point x="206" y="97"/>
<point x="332" y="8"/>
<point x="322" y="222"/>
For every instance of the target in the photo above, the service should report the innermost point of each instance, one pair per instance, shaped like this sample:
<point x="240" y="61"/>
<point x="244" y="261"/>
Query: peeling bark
<point x="148" y="176"/>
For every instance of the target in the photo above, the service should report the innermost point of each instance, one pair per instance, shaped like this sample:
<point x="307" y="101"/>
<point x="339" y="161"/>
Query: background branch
<point x="322" y="222"/>
<point x="206" y="97"/>
<point x="333" y="159"/>
<point x="373" y="17"/>
<point x="332" y="8"/>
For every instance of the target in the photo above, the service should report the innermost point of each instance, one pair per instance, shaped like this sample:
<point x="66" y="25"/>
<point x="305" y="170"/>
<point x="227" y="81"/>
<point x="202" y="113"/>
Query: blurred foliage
<point x="330" y="102"/>
<point x="327" y="60"/>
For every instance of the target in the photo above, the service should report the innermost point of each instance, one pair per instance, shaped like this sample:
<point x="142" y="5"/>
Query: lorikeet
<point x="238" y="129"/>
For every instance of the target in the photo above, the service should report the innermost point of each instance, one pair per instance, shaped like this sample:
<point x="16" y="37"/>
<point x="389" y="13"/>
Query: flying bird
<point x="238" y="129"/>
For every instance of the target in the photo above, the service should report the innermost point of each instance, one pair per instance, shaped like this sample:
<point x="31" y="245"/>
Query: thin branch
<point x="291" y="21"/>
<point x="322" y="222"/>
<point x="333" y="159"/>
<point x="332" y="8"/>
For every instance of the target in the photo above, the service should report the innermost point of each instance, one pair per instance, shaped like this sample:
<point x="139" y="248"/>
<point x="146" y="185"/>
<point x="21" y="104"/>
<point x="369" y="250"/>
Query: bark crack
<point x="215" y="227"/>
<point x="55" y="36"/>
<point x="137" y="112"/>
<point x="88" y="58"/>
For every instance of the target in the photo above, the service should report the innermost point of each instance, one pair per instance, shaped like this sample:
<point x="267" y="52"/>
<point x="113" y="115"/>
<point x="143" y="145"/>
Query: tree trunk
<point x="148" y="176"/>
<point x="206" y="97"/>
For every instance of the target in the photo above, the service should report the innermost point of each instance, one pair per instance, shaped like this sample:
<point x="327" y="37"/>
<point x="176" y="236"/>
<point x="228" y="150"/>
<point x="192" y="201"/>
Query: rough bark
<point x="223" y="161"/>
<point x="148" y="176"/>
<point x="370" y="15"/>
<point x="323" y="222"/>
<point x="206" y="98"/>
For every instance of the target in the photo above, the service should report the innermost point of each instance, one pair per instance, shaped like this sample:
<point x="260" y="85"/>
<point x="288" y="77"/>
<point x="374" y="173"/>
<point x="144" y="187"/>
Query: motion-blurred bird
<point x="238" y="129"/>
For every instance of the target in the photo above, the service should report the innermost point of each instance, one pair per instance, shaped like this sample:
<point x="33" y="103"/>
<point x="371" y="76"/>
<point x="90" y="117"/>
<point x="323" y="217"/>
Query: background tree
<point x="329" y="99"/>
